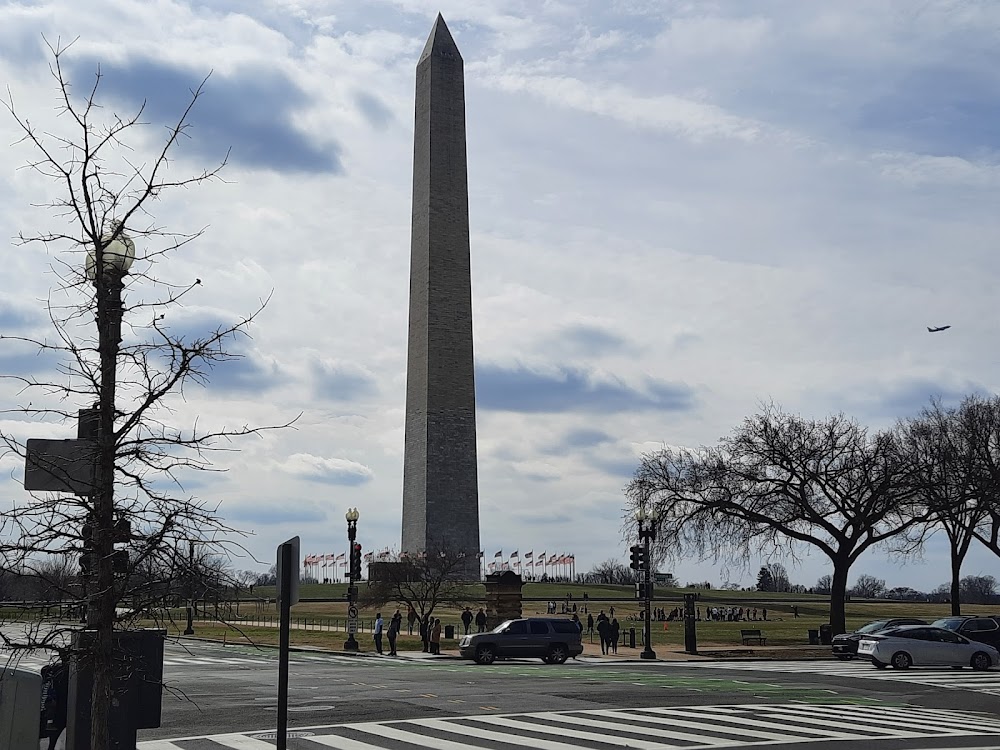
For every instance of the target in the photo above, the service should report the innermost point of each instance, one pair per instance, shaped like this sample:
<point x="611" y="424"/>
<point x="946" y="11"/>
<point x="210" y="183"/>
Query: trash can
<point x="631" y="637"/>
<point x="813" y="637"/>
<point x="449" y="632"/>
<point x="826" y="634"/>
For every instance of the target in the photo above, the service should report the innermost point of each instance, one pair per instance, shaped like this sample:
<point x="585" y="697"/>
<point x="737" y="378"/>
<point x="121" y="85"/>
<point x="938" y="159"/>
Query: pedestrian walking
<point x="436" y="637"/>
<point x="576" y="620"/>
<point x="481" y="620"/>
<point x="378" y="632"/>
<point x="612" y="612"/>
<point x="763" y="613"/>
<point x="603" y="626"/>
<point x="467" y="619"/>
<point x="795" y="610"/>
<point x="590" y="624"/>
<point x="411" y="617"/>
<point x="395" y="625"/>
<point x="615" y="634"/>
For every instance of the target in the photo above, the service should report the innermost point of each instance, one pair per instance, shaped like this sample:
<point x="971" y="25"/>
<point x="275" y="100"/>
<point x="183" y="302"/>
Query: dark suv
<point x="552" y="639"/>
<point x="845" y="645"/>
<point x="982" y="628"/>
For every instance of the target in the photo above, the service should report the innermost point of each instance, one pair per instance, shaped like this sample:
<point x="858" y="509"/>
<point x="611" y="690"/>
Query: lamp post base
<point x="189" y="630"/>
<point x="647" y="653"/>
<point x="350" y="644"/>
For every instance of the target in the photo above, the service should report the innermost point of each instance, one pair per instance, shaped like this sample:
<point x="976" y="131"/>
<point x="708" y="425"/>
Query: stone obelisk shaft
<point x="440" y="485"/>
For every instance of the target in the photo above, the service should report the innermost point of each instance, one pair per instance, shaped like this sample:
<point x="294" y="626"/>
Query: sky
<point x="679" y="210"/>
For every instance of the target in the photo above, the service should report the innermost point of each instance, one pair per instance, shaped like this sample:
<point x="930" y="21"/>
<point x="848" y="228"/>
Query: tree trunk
<point x="838" y="593"/>
<point x="956" y="577"/>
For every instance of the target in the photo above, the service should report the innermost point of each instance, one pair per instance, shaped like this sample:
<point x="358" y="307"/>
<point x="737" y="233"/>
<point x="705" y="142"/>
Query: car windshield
<point x="948" y="623"/>
<point x="873" y="627"/>
<point x="502" y="626"/>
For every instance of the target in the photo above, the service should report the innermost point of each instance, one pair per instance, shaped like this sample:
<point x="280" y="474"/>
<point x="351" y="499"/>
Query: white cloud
<point x="327" y="470"/>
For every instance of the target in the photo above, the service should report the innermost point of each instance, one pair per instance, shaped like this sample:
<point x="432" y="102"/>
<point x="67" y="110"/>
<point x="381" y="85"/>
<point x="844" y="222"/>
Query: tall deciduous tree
<point x="778" y="481"/>
<point x="940" y="446"/>
<point x="423" y="582"/>
<point x="106" y="183"/>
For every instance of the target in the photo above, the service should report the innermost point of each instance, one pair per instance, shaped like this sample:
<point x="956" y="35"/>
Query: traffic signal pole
<point x="647" y="651"/>
<point x="353" y="574"/>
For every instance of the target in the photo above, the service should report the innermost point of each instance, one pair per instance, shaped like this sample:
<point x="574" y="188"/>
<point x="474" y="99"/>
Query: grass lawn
<point x="781" y="627"/>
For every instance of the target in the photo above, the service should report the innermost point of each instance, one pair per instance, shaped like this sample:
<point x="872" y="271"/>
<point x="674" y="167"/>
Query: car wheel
<point x="879" y="664"/>
<point x="558" y="654"/>
<point x="901" y="660"/>
<point x="485" y="655"/>
<point x="547" y="659"/>
<point x="981" y="661"/>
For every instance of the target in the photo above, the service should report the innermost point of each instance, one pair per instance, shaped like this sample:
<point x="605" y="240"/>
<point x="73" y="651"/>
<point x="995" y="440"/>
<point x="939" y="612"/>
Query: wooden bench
<point x="753" y="635"/>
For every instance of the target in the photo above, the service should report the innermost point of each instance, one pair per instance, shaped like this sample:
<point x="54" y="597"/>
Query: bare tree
<point x="868" y="586"/>
<point x="780" y="581"/>
<point x="423" y="582"/>
<point x="126" y="527"/>
<point x="824" y="584"/>
<point x="781" y="480"/>
<point x="611" y="571"/>
<point x="979" y="589"/>
<point x="939" y="445"/>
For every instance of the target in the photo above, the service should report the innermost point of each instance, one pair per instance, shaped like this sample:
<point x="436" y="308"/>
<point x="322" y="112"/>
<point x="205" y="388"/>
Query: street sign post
<point x="352" y="612"/>
<point x="352" y="625"/>
<point x="288" y="594"/>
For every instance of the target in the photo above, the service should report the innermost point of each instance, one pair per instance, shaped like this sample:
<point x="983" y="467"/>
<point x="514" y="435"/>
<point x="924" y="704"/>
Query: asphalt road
<point x="453" y="705"/>
<point x="222" y="697"/>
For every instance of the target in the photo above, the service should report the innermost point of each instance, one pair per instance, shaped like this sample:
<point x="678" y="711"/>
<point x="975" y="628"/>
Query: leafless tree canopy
<point x="612" y="572"/>
<point x="776" y="481"/>
<point x="868" y="586"/>
<point x="423" y="582"/>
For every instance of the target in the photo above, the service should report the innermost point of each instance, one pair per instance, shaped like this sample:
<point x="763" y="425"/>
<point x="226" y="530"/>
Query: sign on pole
<point x="293" y="589"/>
<point x="352" y="625"/>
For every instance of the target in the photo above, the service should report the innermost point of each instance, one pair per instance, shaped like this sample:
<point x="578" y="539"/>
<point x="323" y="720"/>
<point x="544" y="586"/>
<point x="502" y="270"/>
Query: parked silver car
<point x="551" y="639"/>
<point x="925" y="646"/>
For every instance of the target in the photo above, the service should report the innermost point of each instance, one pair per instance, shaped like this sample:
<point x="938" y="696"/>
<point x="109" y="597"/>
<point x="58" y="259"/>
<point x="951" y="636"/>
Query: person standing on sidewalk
<point x="481" y="620"/>
<point x="411" y="617"/>
<point x="436" y="637"/>
<point x="590" y="624"/>
<point x="378" y="632"/>
<point x="614" y="634"/>
<point x="467" y="619"/>
<point x="395" y="625"/>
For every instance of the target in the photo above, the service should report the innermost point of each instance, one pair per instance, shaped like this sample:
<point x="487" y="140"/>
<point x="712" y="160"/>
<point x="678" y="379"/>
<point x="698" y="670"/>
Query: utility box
<point x="20" y="708"/>
<point x="137" y="685"/>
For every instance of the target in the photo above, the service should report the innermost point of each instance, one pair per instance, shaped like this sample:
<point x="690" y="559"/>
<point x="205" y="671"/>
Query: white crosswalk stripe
<point x="644" y="728"/>
<point x="981" y="682"/>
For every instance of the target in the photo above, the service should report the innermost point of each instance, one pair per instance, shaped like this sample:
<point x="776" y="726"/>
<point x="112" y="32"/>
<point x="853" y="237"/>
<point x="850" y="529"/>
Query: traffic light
<point x="355" y="562"/>
<point x="638" y="557"/>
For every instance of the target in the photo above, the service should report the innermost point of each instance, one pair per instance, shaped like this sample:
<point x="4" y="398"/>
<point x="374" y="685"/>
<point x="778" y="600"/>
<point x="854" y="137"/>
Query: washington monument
<point x="440" y="485"/>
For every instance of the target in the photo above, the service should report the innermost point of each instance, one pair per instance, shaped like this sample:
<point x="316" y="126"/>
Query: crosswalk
<point x="37" y="660"/>
<point x="642" y="728"/>
<point x="966" y="679"/>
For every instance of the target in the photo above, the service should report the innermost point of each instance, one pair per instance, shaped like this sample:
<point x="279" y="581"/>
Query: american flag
<point x="527" y="555"/>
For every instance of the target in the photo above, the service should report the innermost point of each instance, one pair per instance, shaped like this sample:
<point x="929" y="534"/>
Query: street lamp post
<point x="108" y="262"/>
<point x="352" y="517"/>
<point x="647" y="532"/>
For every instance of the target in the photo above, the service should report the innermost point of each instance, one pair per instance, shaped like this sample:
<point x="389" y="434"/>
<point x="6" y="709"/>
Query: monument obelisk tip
<point x="440" y="42"/>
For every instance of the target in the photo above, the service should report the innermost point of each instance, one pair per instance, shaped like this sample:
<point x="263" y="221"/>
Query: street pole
<point x="646" y="533"/>
<point x="283" y="644"/>
<point x="189" y="630"/>
<point x="351" y="644"/>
